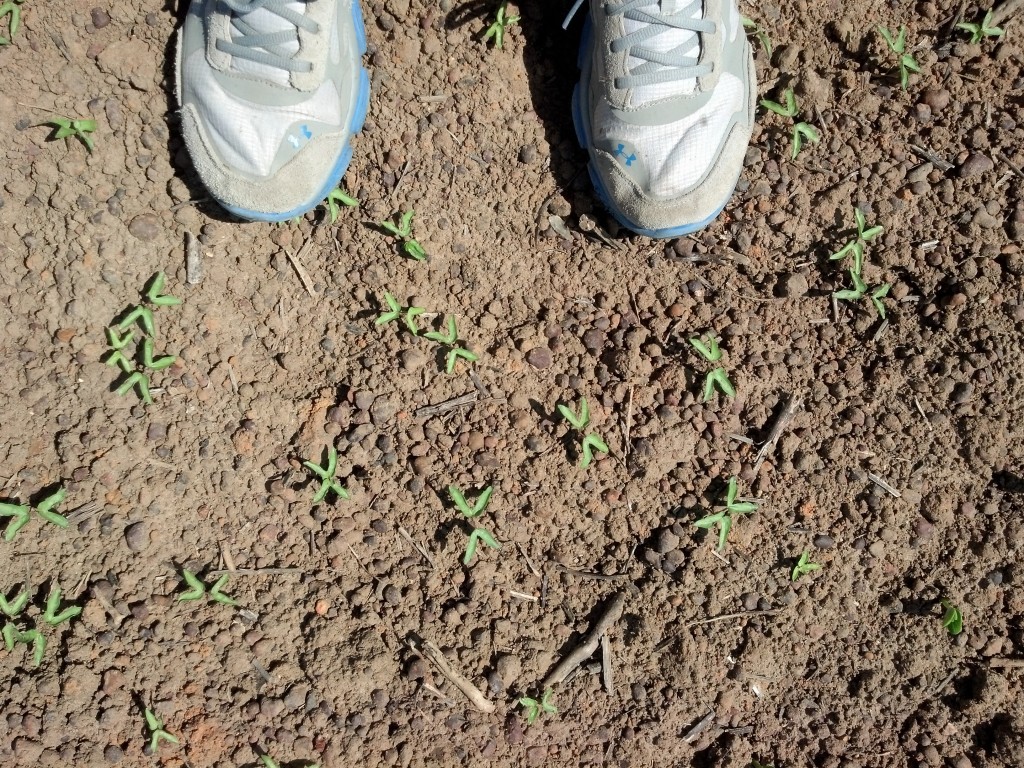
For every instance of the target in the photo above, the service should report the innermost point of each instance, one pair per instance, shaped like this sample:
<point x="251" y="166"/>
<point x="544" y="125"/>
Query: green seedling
<point x="155" y="295"/>
<point x="588" y="443"/>
<point x="156" y="731"/>
<point x="717" y="377"/>
<point x="860" y="290"/>
<point x="217" y="594"/>
<point x="270" y="762"/>
<point x="141" y="382"/>
<point x="22" y="512"/>
<point x="198" y="589"/>
<point x="723" y="518"/>
<point x="403" y="232"/>
<point x="865" y="234"/>
<point x="12" y="636"/>
<point x="451" y="340"/>
<point x="756" y="764"/>
<point x="532" y="709"/>
<point x="12" y="608"/>
<point x="141" y="314"/>
<point x="411" y="313"/>
<point x="982" y="29"/>
<point x="755" y="29"/>
<point x="10" y="10"/>
<point x="50" y="615"/>
<point x="501" y="22"/>
<point x="804" y="566"/>
<point x="64" y="127"/>
<point x="326" y="475"/>
<point x="952" y="619"/>
<point x="478" y="535"/>
<point x="801" y="131"/>
<point x="394" y="311"/>
<point x="119" y="342"/>
<point x="159" y="363"/>
<point x="338" y="196"/>
<point x="578" y="422"/>
<point x="477" y="509"/>
<point x="898" y="45"/>
<point x="116" y="359"/>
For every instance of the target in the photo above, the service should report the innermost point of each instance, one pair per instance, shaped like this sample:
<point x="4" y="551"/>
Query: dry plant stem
<point x="591" y="640"/>
<point x="780" y="425"/>
<point x="448" y="405"/>
<point x="433" y="654"/>
<point x="1005" y="11"/>
<point x="415" y="545"/>
<point x="727" y="616"/>
<point x="883" y="485"/>
<point x="692" y="735"/>
<point x="607" y="672"/>
<point x="1006" y="663"/>
<point x="193" y="260"/>
<point x="296" y="262"/>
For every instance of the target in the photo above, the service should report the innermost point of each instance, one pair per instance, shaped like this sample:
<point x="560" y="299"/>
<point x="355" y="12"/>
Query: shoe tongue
<point x="264" y="21"/>
<point x="668" y="39"/>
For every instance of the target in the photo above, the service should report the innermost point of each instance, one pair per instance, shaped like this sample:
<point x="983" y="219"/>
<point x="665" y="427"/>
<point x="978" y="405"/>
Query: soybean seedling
<point x="801" y="131"/>
<point x="13" y="608"/>
<point x="198" y="588"/>
<point x="952" y="619"/>
<point x="898" y="45"/>
<point x="478" y="535"/>
<point x="865" y="234"/>
<point x="803" y="566"/>
<point x="501" y="22"/>
<point x="336" y="198"/>
<point x="451" y="340"/>
<point x="395" y="311"/>
<point x="717" y="377"/>
<point x="270" y="762"/>
<point x="589" y="443"/>
<point x="467" y="511"/>
<point x="11" y="11"/>
<point x="33" y="637"/>
<point x="532" y="709"/>
<point x="138" y="380"/>
<point x="723" y="518"/>
<point x="154" y="292"/>
<point x="326" y="475"/>
<point x="755" y="29"/>
<point x="982" y="29"/>
<point x="65" y="127"/>
<point x="157" y="732"/>
<point x="50" y="615"/>
<point x="21" y="513"/>
<point x="860" y="291"/>
<point x="403" y="232"/>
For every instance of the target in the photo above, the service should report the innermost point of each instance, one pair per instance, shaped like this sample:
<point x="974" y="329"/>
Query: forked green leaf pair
<point x="898" y="45"/>
<point x="157" y="732"/>
<point x="532" y="708"/>
<point x="395" y="311"/>
<point x="478" y="535"/>
<point x="51" y="616"/>
<point x="755" y="29"/>
<point x="801" y="131"/>
<point x="13" y="608"/>
<point x="860" y="290"/>
<point x="865" y="234"/>
<point x="11" y="11"/>
<point x="463" y="506"/>
<point x="723" y="518"/>
<point x="198" y="588"/>
<point x="21" y="513"/>
<point x="953" y="618"/>
<point x="717" y="376"/>
<point x="13" y="636"/>
<point x="336" y="198"/>
<point x="451" y="340"/>
<point x="501" y="23"/>
<point x="588" y="443"/>
<point x="64" y="127"/>
<point x="803" y="566"/>
<point x="403" y="232"/>
<point x="326" y="475"/>
<point x="981" y="29"/>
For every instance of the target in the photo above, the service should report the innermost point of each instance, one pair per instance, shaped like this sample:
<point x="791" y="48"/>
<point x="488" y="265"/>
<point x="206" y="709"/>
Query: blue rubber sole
<point x="341" y="164"/>
<point x="580" y="110"/>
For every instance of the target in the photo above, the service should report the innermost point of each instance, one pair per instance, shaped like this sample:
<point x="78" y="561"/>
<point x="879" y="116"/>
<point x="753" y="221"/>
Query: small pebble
<point x="528" y="154"/>
<point x="539" y="357"/>
<point x="100" y="19"/>
<point x="146" y="227"/>
<point x="975" y="165"/>
<point x="156" y="431"/>
<point x="136" y="537"/>
<point x="791" y="286"/>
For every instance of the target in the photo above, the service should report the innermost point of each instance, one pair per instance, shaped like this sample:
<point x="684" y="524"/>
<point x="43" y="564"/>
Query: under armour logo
<point x="620" y="151"/>
<point x="306" y="132"/>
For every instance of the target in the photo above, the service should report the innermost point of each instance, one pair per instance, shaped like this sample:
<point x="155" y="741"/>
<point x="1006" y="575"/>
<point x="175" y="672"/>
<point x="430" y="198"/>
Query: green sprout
<point x="477" y="509"/>
<point x="50" y="615"/>
<point x="804" y="566"/>
<point x="139" y="380"/>
<point x="982" y="29"/>
<point x="12" y="637"/>
<point x="326" y="475"/>
<point x="411" y="313"/>
<point x="755" y="29"/>
<point x="154" y="293"/>
<point x="63" y="127"/>
<point x="723" y="518"/>
<point x="717" y="377"/>
<point x="860" y="290"/>
<point x="141" y="314"/>
<point x="12" y="608"/>
<point x="532" y="709"/>
<point x="336" y="196"/>
<point x="953" y="618"/>
<point x="270" y="762"/>
<point x="478" y="535"/>
<point x="157" y="364"/>
<point x="22" y="512"/>
<point x="451" y="340"/>
<point x="589" y="443"/>
<point x="855" y="246"/>
<point x="394" y="310"/>
<point x="199" y="589"/>
<point x="403" y="232"/>
<point x="898" y="45"/>
<point x="119" y="342"/>
<point x="801" y="131"/>
<point x="156" y="731"/>
<point x="12" y="11"/>
<point x="501" y="22"/>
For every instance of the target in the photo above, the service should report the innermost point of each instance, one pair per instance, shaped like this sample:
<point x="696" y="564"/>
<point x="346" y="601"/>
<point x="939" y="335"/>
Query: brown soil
<point x="850" y="666"/>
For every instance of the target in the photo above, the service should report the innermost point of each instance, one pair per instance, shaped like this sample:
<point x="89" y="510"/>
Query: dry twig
<point x="591" y="640"/>
<point x="433" y="654"/>
<point x="792" y="406"/>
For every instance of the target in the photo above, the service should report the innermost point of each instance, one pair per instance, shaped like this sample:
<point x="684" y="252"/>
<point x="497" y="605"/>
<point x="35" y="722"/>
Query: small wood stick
<point x="433" y="654"/>
<point x="456" y="402"/>
<point x="193" y="260"/>
<point x="777" y="429"/>
<point x="606" y="665"/>
<point x="591" y="640"/>
<point x="883" y="485"/>
<point x="300" y="270"/>
<point x="1005" y="10"/>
